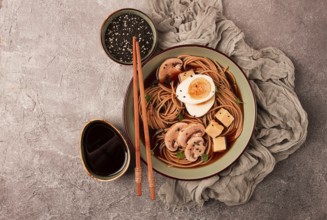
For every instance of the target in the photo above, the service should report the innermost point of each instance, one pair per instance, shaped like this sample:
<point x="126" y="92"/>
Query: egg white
<point x="182" y="90"/>
<point x="201" y="109"/>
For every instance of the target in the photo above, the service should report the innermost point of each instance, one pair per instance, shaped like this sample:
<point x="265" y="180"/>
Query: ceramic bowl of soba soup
<point x="201" y="112"/>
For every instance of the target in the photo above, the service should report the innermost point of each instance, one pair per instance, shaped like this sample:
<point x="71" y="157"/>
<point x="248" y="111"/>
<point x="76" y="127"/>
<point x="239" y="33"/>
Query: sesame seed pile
<point x="118" y="36"/>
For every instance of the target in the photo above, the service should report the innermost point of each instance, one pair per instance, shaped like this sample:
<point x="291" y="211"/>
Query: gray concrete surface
<point x="54" y="76"/>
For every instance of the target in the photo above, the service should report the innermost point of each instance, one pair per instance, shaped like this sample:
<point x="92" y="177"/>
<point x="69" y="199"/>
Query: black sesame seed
<point x="118" y="36"/>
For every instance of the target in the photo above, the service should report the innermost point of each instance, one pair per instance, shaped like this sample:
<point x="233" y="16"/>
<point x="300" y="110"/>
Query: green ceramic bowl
<point x="124" y="11"/>
<point x="249" y="114"/>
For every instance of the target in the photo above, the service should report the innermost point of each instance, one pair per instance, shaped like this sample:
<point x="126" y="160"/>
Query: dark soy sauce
<point x="105" y="151"/>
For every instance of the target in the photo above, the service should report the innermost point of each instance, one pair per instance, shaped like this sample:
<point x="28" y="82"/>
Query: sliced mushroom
<point x="170" y="69"/>
<point x="191" y="130"/>
<point x="172" y="134"/>
<point x="194" y="149"/>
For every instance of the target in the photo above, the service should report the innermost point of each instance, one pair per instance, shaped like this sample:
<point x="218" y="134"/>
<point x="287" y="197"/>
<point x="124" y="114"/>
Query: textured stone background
<point x="54" y="76"/>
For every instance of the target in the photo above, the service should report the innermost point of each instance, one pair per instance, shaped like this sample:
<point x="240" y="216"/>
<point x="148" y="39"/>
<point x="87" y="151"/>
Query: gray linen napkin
<point x="281" y="124"/>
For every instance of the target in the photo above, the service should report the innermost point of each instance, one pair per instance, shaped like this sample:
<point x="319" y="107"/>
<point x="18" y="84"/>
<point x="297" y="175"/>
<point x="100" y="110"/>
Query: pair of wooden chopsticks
<point x="137" y="73"/>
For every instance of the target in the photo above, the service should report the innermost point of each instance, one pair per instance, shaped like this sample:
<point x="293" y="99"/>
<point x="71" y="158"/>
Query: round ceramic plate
<point x="249" y="114"/>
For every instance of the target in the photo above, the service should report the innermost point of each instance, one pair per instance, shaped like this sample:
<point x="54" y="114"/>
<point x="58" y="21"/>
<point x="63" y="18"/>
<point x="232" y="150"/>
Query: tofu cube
<point x="219" y="144"/>
<point x="214" y="129"/>
<point x="224" y="117"/>
<point x="184" y="75"/>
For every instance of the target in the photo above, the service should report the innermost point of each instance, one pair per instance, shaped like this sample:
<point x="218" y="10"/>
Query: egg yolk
<point x="199" y="88"/>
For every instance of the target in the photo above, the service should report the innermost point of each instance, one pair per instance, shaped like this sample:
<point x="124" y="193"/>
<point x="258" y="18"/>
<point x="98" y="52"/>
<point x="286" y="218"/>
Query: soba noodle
<point x="164" y="109"/>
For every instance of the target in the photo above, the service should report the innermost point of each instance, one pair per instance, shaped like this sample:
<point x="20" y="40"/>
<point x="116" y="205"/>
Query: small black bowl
<point x="116" y="38"/>
<point x="104" y="151"/>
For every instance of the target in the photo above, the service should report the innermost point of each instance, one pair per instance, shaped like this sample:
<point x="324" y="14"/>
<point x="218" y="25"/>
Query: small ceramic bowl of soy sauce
<point x="104" y="151"/>
<point x="117" y="32"/>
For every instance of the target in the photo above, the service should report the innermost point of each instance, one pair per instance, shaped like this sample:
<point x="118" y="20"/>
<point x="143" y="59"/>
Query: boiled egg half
<point x="197" y="92"/>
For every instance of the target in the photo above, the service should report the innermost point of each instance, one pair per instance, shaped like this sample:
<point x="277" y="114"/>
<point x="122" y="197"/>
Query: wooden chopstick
<point x="138" y="169"/>
<point x="151" y="180"/>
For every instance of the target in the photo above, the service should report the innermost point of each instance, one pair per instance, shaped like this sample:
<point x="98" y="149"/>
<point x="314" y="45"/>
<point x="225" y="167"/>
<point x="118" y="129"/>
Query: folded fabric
<point x="282" y="123"/>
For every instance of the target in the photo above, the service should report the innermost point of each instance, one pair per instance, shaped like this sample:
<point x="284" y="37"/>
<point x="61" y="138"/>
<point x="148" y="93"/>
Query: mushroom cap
<point x="172" y="134"/>
<point x="169" y="69"/>
<point x="193" y="129"/>
<point x="195" y="148"/>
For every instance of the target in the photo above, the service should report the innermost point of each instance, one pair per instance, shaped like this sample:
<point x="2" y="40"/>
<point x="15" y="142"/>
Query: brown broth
<point x="152" y="80"/>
